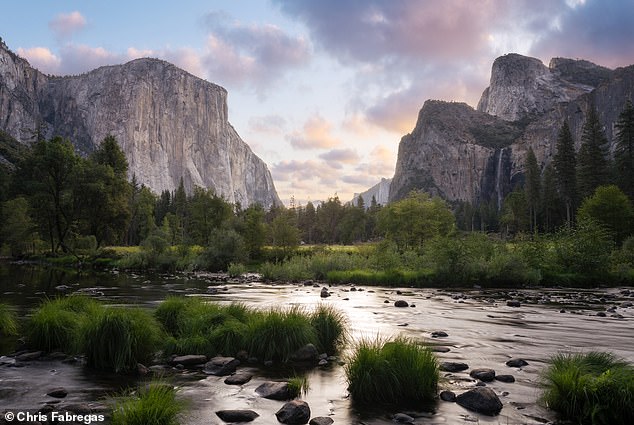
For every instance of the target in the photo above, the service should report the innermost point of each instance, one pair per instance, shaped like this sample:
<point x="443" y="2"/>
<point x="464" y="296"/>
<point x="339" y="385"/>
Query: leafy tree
<point x="532" y="188"/>
<point x="550" y="200"/>
<point x="624" y="150"/>
<point x="18" y="230"/>
<point x="163" y="206"/>
<point x="415" y="219"/>
<point x="351" y="227"/>
<point x="206" y="213"/>
<point x="515" y="213"/>
<point x="226" y="246"/>
<point x="109" y="153"/>
<point x="253" y="230"/>
<point x="307" y="223"/>
<point x="142" y="222"/>
<point x="328" y="215"/>
<point x="610" y="207"/>
<point x="564" y="163"/>
<point x="592" y="165"/>
<point x="283" y="233"/>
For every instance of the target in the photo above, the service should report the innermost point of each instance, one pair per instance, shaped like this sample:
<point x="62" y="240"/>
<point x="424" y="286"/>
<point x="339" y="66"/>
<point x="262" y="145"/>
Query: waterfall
<point x="498" y="178"/>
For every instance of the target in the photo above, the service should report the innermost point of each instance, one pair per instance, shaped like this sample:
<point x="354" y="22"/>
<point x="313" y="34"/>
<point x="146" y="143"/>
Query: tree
<point x="415" y="219"/>
<point x="18" y="230"/>
<point x="624" y="150"/>
<point x="142" y="222"/>
<point x="253" y="230"/>
<point x="550" y="199"/>
<point x="610" y="207"/>
<point x="514" y="213"/>
<point x="592" y="165"/>
<point x="565" y="166"/>
<point x="532" y="188"/>
<point x="284" y="234"/>
<point x="109" y="153"/>
<point x="206" y="213"/>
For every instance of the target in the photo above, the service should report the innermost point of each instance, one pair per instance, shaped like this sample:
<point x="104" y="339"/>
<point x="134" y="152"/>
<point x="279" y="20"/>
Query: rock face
<point x="169" y="123"/>
<point x="380" y="192"/>
<point x="464" y="154"/>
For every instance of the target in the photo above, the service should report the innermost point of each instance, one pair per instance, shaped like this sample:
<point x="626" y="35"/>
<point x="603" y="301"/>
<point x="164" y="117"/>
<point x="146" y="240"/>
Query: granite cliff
<point x="476" y="155"/>
<point x="380" y="192"/>
<point x="169" y="123"/>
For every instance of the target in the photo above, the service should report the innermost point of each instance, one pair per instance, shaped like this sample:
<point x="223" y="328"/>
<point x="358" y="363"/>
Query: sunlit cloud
<point x="65" y="24"/>
<point x="316" y="134"/>
<point x="268" y="124"/>
<point x="41" y="58"/>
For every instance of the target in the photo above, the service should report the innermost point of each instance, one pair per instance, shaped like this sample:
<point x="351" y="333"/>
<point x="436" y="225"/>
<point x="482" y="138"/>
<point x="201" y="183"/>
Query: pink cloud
<point x="316" y="134"/>
<point x="65" y="24"/>
<point x="41" y="58"/>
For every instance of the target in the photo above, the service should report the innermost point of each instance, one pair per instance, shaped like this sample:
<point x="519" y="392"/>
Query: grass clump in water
<point x="330" y="325"/>
<point x="592" y="388"/>
<point x="298" y="386"/>
<point x="154" y="405"/>
<point x="119" y="338"/>
<point x="8" y="321"/>
<point x="398" y="372"/>
<point x="55" y="324"/>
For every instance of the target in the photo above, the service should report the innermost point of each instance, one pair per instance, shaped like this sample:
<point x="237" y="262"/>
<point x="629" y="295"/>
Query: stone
<point x="505" y="378"/>
<point x="448" y="396"/>
<point x="189" y="360"/>
<point x="295" y="412"/>
<point x="481" y="400"/>
<point x="439" y="334"/>
<point x="274" y="390"/>
<point x="401" y="303"/>
<point x="169" y="123"/>
<point x="324" y="293"/>
<point x="238" y="379"/>
<point x="322" y="362"/>
<point x="221" y="366"/>
<point x="321" y="420"/>
<point x="141" y="370"/>
<point x="513" y="303"/>
<point x="516" y="363"/>
<point x="439" y="349"/>
<point x="483" y="374"/>
<point x="453" y="366"/>
<point x="57" y="392"/>
<point x="29" y="356"/>
<point x="308" y="353"/>
<point x="402" y="418"/>
<point x="232" y="416"/>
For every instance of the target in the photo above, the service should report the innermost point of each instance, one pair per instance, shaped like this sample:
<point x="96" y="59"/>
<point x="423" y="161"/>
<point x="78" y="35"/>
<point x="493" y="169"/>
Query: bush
<point x="592" y="388"/>
<point x="8" y="321"/>
<point x="331" y="327"/>
<point x="155" y="405"/>
<point x="398" y="372"/>
<point x="56" y="324"/>
<point x="117" y="339"/>
<point x="276" y="334"/>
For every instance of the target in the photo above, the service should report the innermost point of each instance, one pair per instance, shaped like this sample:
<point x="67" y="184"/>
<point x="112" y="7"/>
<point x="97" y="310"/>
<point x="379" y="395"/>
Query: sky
<point x="322" y="90"/>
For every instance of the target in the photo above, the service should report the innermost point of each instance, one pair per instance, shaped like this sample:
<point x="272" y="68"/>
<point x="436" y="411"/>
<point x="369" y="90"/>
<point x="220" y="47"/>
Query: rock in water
<point x="169" y="123"/>
<point x="221" y="366"/>
<point x="453" y="366"/>
<point x="189" y="360"/>
<point x="483" y="374"/>
<point x="274" y="390"/>
<point x="517" y="363"/>
<point x="295" y="412"/>
<point x="401" y="303"/>
<point x="232" y="416"/>
<point x="321" y="420"/>
<point x="481" y="400"/>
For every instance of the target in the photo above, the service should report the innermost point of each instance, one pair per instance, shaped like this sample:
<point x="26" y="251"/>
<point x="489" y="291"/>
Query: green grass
<point x="331" y="327"/>
<point x="55" y="325"/>
<point x="276" y="334"/>
<point x="398" y="372"/>
<point x="298" y="386"/>
<point x="383" y="277"/>
<point x="592" y="388"/>
<point x="8" y="321"/>
<point x="118" y="338"/>
<point x="155" y="405"/>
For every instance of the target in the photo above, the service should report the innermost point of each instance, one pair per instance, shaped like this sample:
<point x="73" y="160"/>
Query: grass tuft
<point x="397" y="372"/>
<point x="331" y="327"/>
<point x="8" y="321"/>
<point x="298" y="386"/>
<point x="155" y="405"/>
<point x="592" y="388"/>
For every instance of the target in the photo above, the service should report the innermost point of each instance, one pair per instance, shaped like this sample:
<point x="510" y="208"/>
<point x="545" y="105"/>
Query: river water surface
<point x="482" y="332"/>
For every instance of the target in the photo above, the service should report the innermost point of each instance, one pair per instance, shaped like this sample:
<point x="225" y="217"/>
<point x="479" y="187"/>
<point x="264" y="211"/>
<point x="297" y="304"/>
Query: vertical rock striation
<point x="169" y="123"/>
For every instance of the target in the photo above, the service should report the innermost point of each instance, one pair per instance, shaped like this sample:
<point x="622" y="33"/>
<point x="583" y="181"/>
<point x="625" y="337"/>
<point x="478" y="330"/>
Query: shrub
<point x="592" y="388"/>
<point x="117" y="339"/>
<point x="276" y="334"/>
<point x="330" y="325"/>
<point x="236" y="269"/>
<point x="8" y="322"/>
<point x="56" y="323"/>
<point x="398" y="372"/>
<point x="155" y="405"/>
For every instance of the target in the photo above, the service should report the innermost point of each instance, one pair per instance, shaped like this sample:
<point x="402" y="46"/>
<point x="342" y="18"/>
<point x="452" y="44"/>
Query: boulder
<point x="513" y="303"/>
<point x="232" y="416"/>
<point x="32" y="355"/>
<point x="274" y="390"/>
<point x="401" y="303"/>
<point x="481" y="400"/>
<point x="439" y="334"/>
<point x="483" y="374"/>
<point x="308" y="353"/>
<point x="505" y="378"/>
<point x="402" y="418"/>
<point x="324" y="293"/>
<point x="57" y="392"/>
<point x="453" y="366"/>
<point x="321" y="420"/>
<point x="517" y="363"/>
<point x="221" y="366"/>
<point x="189" y="360"/>
<point x="238" y="379"/>
<point x="448" y="396"/>
<point x="295" y="412"/>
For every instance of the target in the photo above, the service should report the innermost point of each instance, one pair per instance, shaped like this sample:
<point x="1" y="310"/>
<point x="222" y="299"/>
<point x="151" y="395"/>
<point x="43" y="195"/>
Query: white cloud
<point x="65" y="24"/>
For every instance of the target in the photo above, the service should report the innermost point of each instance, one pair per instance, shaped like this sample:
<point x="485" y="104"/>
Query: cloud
<point x="267" y="124"/>
<point x="41" y="58"/>
<point x="255" y="55"/>
<point x="316" y="134"/>
<point x="346" y="156"/>
<point x="360" y="180"/>
<point x="65" y="24"/>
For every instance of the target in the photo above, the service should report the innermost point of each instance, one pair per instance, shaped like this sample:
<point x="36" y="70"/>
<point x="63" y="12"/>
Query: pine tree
<point x="624" y="150"/>
<point x="550" y="201"/>
<point x="532" y="188"/>
<point x="564" y="162"/>
<point x="592" y="165"/>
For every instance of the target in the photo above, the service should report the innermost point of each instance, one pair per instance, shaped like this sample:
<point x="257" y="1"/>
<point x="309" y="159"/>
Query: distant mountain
<point x="380" y="192"/>
<point x="169" y="123"/>
<point x="464" y="154"/>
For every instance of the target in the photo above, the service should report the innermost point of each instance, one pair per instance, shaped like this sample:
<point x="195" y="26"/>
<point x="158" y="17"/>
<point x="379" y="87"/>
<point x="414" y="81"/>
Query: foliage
<point x="397" y="372"/>
<point x="583" y="249"/>
<point x="117" y="339"/>
<point x="331" y="326"/>
<point x="532" y="188"/>
<point x="8" y="321"/>
<point x="592" y="165"/>
<point x="18" y="230"/>
<point x="298" y="386"/>
<point x="591" y="388"/>
<point x="564" y="163"/>
<point x="610" y="207"/>
<point x="416" y="219"/>
<point x="225" y="246"/>
<point x="624" y="150"/>
<point x="155" y="404"/>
